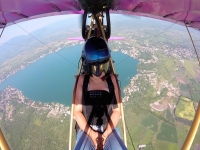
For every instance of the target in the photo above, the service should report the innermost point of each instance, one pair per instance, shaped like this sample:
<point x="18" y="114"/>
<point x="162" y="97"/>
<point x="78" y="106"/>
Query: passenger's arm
<point x="80" y="118"/>
<point x="115" y="116"/>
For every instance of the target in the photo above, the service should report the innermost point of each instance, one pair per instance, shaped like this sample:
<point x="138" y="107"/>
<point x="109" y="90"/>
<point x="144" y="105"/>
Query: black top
<point x="98" y="104"/>
<point x="97" y="107"/>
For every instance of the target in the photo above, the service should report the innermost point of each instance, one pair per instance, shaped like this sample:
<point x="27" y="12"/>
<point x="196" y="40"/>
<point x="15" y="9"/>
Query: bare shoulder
<point x="114" y="79"/>
<point x="80" y="80"/>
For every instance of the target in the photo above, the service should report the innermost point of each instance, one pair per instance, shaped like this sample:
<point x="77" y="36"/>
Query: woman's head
<point x="95" y="56"/>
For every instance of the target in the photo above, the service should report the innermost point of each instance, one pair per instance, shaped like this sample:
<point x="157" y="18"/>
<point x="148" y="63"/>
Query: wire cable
<point x="130" y="136"/>
<point x="151" y="40"/>
<point x="125" y="59"/>
<point x="162" y="32"/>
<point x="193" y="45"/>
<point x="45" y="44"/>
<point x="125" y="121"/>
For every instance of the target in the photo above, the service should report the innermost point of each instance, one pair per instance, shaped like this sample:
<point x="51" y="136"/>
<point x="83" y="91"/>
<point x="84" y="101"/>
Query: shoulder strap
<point x="110" y="84"/>
<point x="85" y="83"/>
<point x="84" y="88"/>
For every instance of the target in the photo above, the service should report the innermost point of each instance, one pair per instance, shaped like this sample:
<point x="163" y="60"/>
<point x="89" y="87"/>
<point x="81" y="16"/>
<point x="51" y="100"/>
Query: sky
<point x="30" y="26"/>
<point x="35" y="24"/>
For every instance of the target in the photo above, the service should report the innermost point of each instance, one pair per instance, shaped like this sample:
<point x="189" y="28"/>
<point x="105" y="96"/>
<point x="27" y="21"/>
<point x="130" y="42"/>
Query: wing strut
<point x="4" y="26"/>
<point x="193" y="44"/>
<point x="193" y="130"/>
<point x="72" y="107"/>
<point x="3" y="143"/>
<point x="195" y="124"/>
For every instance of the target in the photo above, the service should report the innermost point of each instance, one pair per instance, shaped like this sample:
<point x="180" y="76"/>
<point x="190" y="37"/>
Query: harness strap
<point x="85" y="89"/>
<point x="85" y="83"/>
<point x="110" y="84"/>
<point x="111" y="90"/>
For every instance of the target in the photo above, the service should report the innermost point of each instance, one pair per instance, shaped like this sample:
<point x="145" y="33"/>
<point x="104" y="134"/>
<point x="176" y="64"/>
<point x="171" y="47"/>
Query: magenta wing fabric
<point x="182" y="11"/>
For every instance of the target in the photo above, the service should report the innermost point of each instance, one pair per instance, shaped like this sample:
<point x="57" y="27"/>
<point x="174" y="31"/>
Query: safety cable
<point x="162" y="31"/>
<point x="193" y="44"/>
<point x="2" y="30"/>
<point x="127" y="58"/>
<point x="45" y="44"/>
<point x="125" y="121"/>
<point x="124" y="59"/>
<point x="129" y="135"/>
<point x="151" y="40"/>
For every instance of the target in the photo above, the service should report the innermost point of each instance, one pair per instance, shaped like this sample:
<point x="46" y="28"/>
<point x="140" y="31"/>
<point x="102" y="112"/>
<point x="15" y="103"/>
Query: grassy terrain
<point x="185" y="109"/>
<point x="195" y="96"/>
<point x="190" y="67"/>
<point x="168" y="133"/>
<point x="142" y="135"/>
<point x="146" y="56"/>
<point x="183" y="87"/>
<point x="196" y="139"/>
<point x="169" y="116"/>
<point x="150" y="122"/>
<point x="182" y="131"/>
<point x="196" y="86"/>
<point x="185" y="99"/>
<point x="31" y="129"/>
<point x="165" y="145"/>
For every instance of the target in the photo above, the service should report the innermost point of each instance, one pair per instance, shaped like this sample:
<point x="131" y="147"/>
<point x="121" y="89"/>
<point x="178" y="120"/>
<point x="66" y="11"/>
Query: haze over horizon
<point x="160" y="99"/>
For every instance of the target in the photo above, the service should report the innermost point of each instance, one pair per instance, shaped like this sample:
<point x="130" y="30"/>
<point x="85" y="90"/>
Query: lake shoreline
<point x="52" y="82"/>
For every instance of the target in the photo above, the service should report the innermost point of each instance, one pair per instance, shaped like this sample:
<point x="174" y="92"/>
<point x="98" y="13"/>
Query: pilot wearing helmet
<point x="97" y="100"/>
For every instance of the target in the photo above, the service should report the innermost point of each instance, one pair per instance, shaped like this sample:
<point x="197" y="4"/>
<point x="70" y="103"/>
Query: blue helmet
<point x="95" y="56"/>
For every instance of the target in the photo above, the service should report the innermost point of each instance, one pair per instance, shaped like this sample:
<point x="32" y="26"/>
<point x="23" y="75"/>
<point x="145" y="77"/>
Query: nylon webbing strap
<point x="85" y="83"/>
<point x="85" y="89"/>
<point x="110" y="84"/>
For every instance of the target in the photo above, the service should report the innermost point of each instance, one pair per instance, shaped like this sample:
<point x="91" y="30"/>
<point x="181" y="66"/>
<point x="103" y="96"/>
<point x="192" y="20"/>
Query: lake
<point x="51" y="79"/>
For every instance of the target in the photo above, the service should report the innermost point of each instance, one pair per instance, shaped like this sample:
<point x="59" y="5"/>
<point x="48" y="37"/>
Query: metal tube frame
<point x="121" y="107"/>
<point x="3" y="143"/>
<point x="72" y="114"/>
<point x="101" y="27"/>
<point x="2" y="30"/>
<point x="193" y="44"/>
<point x="195" y="124"/>
<point x="112" y="67"/>
<point x="91" y="26"/>
<point x="193" y="130"/>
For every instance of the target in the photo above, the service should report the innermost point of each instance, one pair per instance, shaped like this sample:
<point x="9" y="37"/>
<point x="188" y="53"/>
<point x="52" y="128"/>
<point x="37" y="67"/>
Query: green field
<point x="169" y="116"/>
<point x="196" y="139"/>
<point x="146" y="56"/>
<point x="185" y="94"/>
<point x="185" y="109"/>
<point x="142" y="135"/>
<point x="196" y="86"/>
<point x="161" y="145"/>
<point x="182" y="131"/>
<point x="195" y="96"/>
<point x="192" y="81"/>
<point x="185" y="99"/>
<point x="183" y="87"/>
<point x="190" y="65"/>
<point x="151" y="123"/>
<point x="33" y="130"/>
<point x="168" y="133"/>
